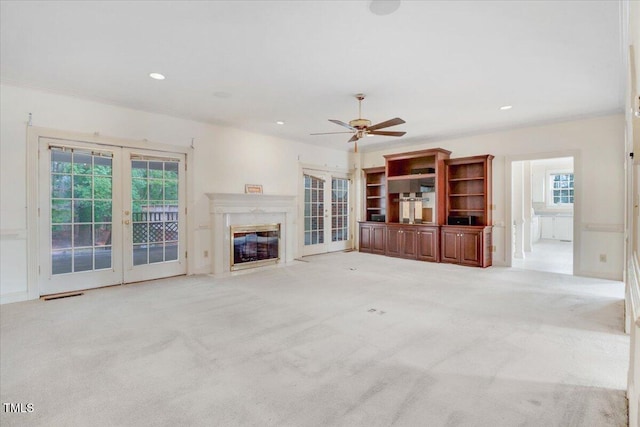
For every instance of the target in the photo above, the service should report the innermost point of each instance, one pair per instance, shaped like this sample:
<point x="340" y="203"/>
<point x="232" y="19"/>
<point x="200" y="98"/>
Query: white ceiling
<point x="444" y="67"/>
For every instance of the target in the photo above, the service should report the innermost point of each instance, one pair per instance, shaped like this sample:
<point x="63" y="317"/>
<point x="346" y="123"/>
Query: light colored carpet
<point x="554" y="256"/>
<point x="301" y="345"/>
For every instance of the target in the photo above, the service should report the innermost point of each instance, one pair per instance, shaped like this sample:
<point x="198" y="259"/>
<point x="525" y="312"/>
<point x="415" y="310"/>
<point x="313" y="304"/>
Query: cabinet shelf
<point x="466" y="210"/>
<point x="466" y="194"/>
<point x="374" y="209"/>
<point x="412" y="176"/>
<point x="375" y="185"/>
<point x="375" y="197"/>
<point x="475" y="178"/>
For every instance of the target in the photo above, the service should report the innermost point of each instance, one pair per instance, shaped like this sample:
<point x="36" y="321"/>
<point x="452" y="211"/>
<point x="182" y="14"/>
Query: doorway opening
<point x="542" y="212"/>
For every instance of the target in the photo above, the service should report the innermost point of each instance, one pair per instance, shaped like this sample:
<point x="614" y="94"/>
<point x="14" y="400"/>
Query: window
<point x="339" y="209"/>
<point x="562" y="188"/>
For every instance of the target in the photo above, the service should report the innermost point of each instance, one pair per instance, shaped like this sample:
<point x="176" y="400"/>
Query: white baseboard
<point x="205" y="269"/>
<point x="14" y="297"/>
<point x="600" y="275"/>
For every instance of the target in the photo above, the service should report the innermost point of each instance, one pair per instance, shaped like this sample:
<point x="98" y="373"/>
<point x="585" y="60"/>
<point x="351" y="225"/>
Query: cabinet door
<point x="546" y="227"/>
<point x="366" y="237"/>
<point x="450" y="243"/>
<point x="408" y="243"/>
<point x="427" y="239"/>
<point x="378" y="233"/>
<point x="563" y="228"/>
<point x="393" y="241"/>
<point x="471" y="248"/>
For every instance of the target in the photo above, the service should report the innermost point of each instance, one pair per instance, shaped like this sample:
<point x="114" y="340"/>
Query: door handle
<point x="126" y="212"/>
<point x="127" y="222"/>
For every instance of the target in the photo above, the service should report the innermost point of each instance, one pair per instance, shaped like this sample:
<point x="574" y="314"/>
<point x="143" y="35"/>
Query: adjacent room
<point x="285" y="213"/>
<point x="543" y="212"/>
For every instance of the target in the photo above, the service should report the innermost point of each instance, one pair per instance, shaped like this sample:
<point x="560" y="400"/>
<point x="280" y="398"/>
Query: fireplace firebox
<point x="254" y="245"/>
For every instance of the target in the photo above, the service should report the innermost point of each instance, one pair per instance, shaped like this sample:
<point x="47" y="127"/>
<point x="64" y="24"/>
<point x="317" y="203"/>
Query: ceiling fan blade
<point x="385" y="133"/>
<point x="327" y="133"/>
<point x="353" y="138"/>
<point x="338" y="122"/>
<point x="388" y="123"/>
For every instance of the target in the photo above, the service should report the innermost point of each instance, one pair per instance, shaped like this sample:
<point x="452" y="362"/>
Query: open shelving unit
<point x="466" y="238"/>
<point x="376" y="193"/>
<point x="448" y="202"/>
<point x="415" y="172"/>
<point x="468" y="195"/>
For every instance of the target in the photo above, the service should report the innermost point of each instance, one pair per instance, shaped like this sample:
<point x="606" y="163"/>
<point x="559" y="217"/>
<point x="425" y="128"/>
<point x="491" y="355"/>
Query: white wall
<point x="224" y="160"/>
<point x="599" y="144"/>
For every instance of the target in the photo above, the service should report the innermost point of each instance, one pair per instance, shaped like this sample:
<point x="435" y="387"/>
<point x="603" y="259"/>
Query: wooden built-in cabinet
<point x="428" y="242"/>
<point x="415" y="172"/>
<point x="373" y="238"/>
<point x="468" y="189"/>
<point x="400" y="240"/>
<point x="467" y="245"/>
<point x="466" y="236"/>
<point x="455" y="225"/>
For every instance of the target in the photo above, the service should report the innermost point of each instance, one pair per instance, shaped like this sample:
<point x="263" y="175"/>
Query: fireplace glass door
<point x="254" y="245"/>
<point x="327" y="212"/>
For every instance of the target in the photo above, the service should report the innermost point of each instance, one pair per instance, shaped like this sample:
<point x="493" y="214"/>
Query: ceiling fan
<point x="362" y="127"/>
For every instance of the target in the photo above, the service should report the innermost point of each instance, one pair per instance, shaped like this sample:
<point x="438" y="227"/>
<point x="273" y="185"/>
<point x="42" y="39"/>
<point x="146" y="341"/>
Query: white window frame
<point x="549" y="184"/>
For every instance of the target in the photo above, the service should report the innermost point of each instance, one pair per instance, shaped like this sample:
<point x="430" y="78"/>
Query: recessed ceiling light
<point x="279" y="122"/>
<point x="506" y="107"/>
<point x="156" y="76"/>
<point x="384" y="7"/>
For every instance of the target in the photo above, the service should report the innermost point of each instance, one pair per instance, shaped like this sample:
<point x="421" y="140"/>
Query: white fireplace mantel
<point x="227" y="209"/>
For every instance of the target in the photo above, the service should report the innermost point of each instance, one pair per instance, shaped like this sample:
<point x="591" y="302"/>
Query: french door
<point x="327" y="212"/>
<point x="108" y="215"/>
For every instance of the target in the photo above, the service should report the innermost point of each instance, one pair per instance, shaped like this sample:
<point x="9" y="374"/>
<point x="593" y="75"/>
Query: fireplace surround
<point x="227" y="210"/>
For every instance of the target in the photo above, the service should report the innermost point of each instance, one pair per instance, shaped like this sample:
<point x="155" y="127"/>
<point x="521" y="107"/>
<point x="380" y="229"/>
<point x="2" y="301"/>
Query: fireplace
<point x="254" y="245"/>
<point x="255" y="210"/>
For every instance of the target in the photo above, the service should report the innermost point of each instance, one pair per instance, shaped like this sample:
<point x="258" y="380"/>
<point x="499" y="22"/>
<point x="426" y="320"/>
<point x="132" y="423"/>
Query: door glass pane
<point x="339" y="209"/>
<point x="81" y="210"/>
<point x="154" y="207"/>
<point x="313" y="210"/>
<point x="61" y="261"/>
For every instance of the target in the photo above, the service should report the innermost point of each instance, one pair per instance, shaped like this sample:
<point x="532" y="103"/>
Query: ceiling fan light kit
<point x="361" y="128"/>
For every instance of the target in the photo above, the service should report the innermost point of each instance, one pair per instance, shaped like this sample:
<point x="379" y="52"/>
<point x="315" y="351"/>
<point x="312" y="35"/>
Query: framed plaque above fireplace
<point x="253" y="189"/>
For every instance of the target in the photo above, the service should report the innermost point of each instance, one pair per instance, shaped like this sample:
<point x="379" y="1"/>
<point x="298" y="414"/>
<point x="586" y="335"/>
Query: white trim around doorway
<point x="577" y="210"/>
